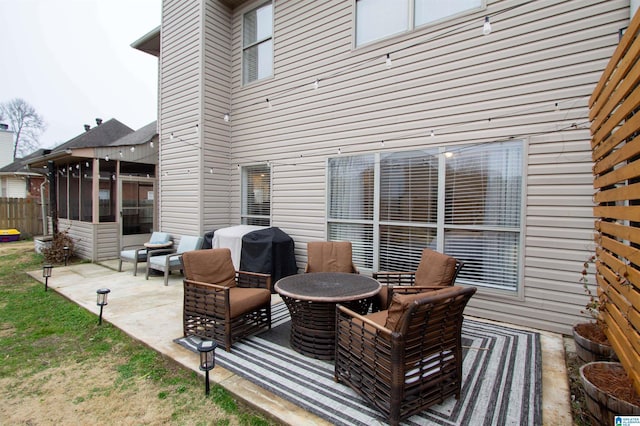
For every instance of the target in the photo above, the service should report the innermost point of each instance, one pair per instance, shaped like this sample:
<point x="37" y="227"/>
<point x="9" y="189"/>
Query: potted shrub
<point x="591" y="342"/>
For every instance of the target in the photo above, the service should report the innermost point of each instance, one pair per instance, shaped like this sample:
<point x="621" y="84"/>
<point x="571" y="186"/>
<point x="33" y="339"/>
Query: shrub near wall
<point x="615" y="130"/>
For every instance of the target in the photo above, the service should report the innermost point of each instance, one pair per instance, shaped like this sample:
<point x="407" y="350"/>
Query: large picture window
<point x="256" y="195"/>
<point x="257" y="44"/>
<point x="465" y="202"/>
<point x="379" y="19"/>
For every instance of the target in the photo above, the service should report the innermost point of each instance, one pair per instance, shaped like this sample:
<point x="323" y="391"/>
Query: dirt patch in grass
<point x="93" y="394"/>
<point x="16" y="247"/>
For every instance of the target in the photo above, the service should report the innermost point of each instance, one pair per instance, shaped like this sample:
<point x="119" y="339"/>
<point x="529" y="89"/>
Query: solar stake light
<point x="102" y="300"/>
<point x="46" y="273"/>
<point x="66" y="254"/>
<point x="207" y="349"/>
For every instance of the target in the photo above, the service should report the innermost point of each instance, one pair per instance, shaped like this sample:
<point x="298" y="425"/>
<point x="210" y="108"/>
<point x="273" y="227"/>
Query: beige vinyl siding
<point x="216" y="102"/>
<point x="96" y="242"/>
<point x="469" y="88"/>
<point x="448" y="77"/>
<point x="16" y="187"/>
<point x="180" y="204"/>
<point x="82" y="235"/>
<point x="106" y="241"/>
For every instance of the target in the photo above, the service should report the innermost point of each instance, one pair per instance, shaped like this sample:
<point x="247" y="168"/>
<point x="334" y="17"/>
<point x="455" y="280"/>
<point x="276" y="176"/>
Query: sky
<point x="73" y="62"/>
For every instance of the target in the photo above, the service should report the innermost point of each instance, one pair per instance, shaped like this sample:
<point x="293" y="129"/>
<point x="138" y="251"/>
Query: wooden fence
<point x="23" y="214"/>
<point x="615" y="131"/>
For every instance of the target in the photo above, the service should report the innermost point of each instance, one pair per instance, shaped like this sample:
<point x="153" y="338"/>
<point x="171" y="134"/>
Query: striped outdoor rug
<point x="502" y="377"/>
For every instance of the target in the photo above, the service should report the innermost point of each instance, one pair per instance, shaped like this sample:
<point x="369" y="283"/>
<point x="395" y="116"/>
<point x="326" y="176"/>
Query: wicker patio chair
<point x="171" y="260"/>
<point x="138" y="253"/>
<point x="434" y="270"/>
<point x="407" y="358"/>
<point x="220" y="303"/>
<point x="330" y="256"/>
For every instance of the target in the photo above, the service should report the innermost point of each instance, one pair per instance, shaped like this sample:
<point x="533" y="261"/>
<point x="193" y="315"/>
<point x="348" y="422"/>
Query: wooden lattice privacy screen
<point x="615" y="129"/>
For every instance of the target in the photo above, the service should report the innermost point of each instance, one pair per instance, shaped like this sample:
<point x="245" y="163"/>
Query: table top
<point x="331" y="287"/>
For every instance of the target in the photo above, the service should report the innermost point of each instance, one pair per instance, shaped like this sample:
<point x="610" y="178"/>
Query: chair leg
<point x="119" y="265"/>
<point x="166" y="277"/>
<point x="135" y="267"/>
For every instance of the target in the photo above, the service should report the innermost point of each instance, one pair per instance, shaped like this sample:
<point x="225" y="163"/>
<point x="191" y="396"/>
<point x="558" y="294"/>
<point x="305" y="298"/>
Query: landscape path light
<point x="66" y="254"/>
<point x="207" y="349"/>
<point x="46" y="273"/>
<point x="102" y="300"/>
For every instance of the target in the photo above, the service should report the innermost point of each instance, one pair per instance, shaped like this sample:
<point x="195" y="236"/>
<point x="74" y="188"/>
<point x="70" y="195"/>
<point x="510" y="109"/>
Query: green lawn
<point x="57" y="364"/>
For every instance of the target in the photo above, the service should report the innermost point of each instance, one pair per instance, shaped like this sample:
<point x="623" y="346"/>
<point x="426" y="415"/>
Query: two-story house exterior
<point x="461" y="126"/>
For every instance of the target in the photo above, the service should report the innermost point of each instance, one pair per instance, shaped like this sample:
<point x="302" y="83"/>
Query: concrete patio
<point x="152" y="313"/>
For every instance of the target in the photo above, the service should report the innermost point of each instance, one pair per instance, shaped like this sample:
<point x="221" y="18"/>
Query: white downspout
<point x="44" y="209"/>
<point x="633" y="7"/>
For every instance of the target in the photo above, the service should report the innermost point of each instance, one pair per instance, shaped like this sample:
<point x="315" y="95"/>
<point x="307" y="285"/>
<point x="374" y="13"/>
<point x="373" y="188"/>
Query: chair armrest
<point x="214" y="287"/>
<point x="133" y="246"/>
<point x="404" y="278"/>
<point x="346" y="313"/>
<point x="159" y="251"/>
<point x="253" y="280"/>
<point x="414" y="289"/>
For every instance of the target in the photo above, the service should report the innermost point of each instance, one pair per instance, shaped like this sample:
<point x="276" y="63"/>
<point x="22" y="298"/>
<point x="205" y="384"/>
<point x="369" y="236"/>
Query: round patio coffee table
<point x="312" y="298"/>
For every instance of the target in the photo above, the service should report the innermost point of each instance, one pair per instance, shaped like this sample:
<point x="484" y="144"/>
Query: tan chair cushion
<point x="399" y="305"/>
<point x="213" y="266"/>
<point x="379" y="317"/>
<point x="383" y="296"/>
<point x="435" y="269"/>
<point x="243" y="300"/>
<point x="329" y="256"/>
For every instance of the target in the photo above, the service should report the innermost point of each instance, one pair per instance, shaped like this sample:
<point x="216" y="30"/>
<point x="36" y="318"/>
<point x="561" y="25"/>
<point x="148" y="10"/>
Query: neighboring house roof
<point x="19" y="166"/>
<point x="139" y="137"/>
<point x="100" y="135"/>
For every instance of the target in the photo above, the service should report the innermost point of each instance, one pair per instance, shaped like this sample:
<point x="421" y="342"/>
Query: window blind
<point x="479" y="221"/>
<point x="351" y="203"/>
<point x="256" y="200"/>
<point x="483" y="212"/>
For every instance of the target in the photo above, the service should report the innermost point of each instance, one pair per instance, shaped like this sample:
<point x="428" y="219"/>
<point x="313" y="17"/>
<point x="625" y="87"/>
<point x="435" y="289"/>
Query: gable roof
<point x="139" y="137"/>
<point x="102" y="135"/>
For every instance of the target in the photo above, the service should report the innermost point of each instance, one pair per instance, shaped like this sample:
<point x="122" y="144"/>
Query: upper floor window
<point x="378" y="19"/>
<point x="257" y="44"/>
<point x="256" y="195"/>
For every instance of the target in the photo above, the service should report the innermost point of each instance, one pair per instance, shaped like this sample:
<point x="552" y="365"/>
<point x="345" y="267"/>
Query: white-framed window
<point x="257" y="43"/>
<point x="256" y="195"/>
<point x="379" y="19"/>
<point x="466" y="202"/>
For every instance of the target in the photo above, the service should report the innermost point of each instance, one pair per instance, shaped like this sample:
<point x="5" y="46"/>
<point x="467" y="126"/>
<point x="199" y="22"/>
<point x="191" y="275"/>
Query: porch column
<point x="95" y="191"/>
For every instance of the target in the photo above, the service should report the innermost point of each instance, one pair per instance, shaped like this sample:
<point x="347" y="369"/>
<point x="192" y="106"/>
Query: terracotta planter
<point x="603" y="406"/>
<point x="590" y="351"/>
